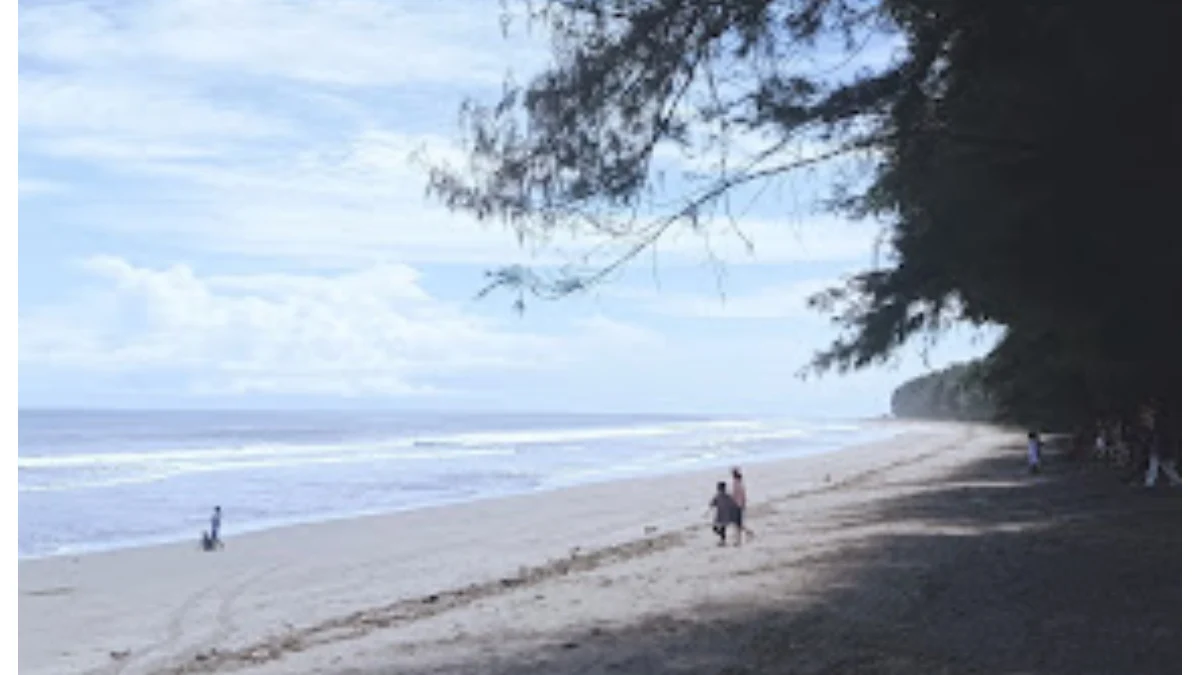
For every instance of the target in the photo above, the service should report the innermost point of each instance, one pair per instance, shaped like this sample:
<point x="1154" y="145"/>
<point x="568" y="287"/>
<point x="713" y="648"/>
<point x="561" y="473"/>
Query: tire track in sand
<point x="408" y="610"/>
<point x="158" y="654"/>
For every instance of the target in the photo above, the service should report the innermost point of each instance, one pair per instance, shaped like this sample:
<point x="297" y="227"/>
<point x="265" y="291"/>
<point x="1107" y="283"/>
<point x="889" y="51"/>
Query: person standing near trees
<point x="1158" y="450"/>
<point x="1034" y="452"/>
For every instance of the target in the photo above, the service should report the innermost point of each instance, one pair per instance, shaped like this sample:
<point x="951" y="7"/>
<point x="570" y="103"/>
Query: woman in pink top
<point x="739" y="497"/>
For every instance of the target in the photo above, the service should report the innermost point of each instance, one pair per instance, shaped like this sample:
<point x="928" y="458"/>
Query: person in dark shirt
<point x="724" y="512"/>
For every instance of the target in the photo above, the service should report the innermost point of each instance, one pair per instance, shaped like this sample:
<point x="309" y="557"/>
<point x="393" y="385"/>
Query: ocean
<point x="100" y="480"/>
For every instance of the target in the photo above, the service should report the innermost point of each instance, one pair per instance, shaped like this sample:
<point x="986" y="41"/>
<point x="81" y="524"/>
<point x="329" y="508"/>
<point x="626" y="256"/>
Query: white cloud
<point x="348" y="43"/>
<point x="65" y="104"/>
<point x="370" y="332"/>
<point x="374" y="331"/>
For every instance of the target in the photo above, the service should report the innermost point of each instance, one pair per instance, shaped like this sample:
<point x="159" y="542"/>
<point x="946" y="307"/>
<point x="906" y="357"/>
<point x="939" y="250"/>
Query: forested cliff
<point x="954" y="393"/>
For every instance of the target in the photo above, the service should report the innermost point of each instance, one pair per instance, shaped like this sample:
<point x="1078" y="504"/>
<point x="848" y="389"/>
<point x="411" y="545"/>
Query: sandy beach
<point x="626" y="577"/>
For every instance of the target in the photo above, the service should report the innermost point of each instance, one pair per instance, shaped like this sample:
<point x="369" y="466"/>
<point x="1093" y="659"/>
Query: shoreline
<point x="872" y="426"/>
<point x="152" y="609"/>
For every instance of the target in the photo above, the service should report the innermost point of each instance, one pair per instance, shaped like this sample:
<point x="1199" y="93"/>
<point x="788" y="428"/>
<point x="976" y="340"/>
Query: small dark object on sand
<point x="210" y="543"/>
<point x="430" y="599"/>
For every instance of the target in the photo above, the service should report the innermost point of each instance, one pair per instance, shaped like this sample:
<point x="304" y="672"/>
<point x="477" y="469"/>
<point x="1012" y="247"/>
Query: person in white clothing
<point x="1034" y="452"/>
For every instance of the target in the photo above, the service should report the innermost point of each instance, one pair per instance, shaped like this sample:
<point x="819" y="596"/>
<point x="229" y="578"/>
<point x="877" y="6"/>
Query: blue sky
<point x="219" y="207"/>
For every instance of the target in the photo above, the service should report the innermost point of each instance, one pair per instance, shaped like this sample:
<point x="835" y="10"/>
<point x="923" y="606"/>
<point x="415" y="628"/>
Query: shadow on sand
<point x="1067" y="572"/>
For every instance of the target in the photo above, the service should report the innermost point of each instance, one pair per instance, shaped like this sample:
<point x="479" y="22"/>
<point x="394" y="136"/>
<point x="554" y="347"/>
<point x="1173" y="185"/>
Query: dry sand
<point x="626" y="577"/>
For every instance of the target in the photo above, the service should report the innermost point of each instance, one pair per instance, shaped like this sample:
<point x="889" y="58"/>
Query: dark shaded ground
<point x="1070" y="572"/>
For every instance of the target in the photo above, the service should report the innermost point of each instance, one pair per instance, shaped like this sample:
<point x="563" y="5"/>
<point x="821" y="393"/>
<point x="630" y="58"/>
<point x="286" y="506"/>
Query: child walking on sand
<point x="724" y="511"/>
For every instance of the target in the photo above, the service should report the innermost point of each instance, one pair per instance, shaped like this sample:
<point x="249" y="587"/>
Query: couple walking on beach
<point x="729" y="509"/>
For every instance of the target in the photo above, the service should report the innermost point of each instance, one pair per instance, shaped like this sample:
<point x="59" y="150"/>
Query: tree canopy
<point x="1022" y="153"/>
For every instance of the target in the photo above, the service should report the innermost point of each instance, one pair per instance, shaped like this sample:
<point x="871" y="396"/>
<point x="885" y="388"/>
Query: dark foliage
<point x="954" y="393"/>
<point x="1024" y="154"/>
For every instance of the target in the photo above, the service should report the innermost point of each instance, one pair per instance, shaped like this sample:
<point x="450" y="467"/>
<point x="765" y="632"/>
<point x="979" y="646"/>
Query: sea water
<point x="97" y="480"/>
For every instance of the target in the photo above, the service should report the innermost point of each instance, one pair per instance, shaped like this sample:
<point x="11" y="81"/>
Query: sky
<point x="219" y="207"/>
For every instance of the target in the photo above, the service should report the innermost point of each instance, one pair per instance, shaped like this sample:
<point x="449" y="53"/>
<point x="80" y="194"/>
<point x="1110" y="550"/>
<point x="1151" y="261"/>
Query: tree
<point x="1019" y="151"/>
